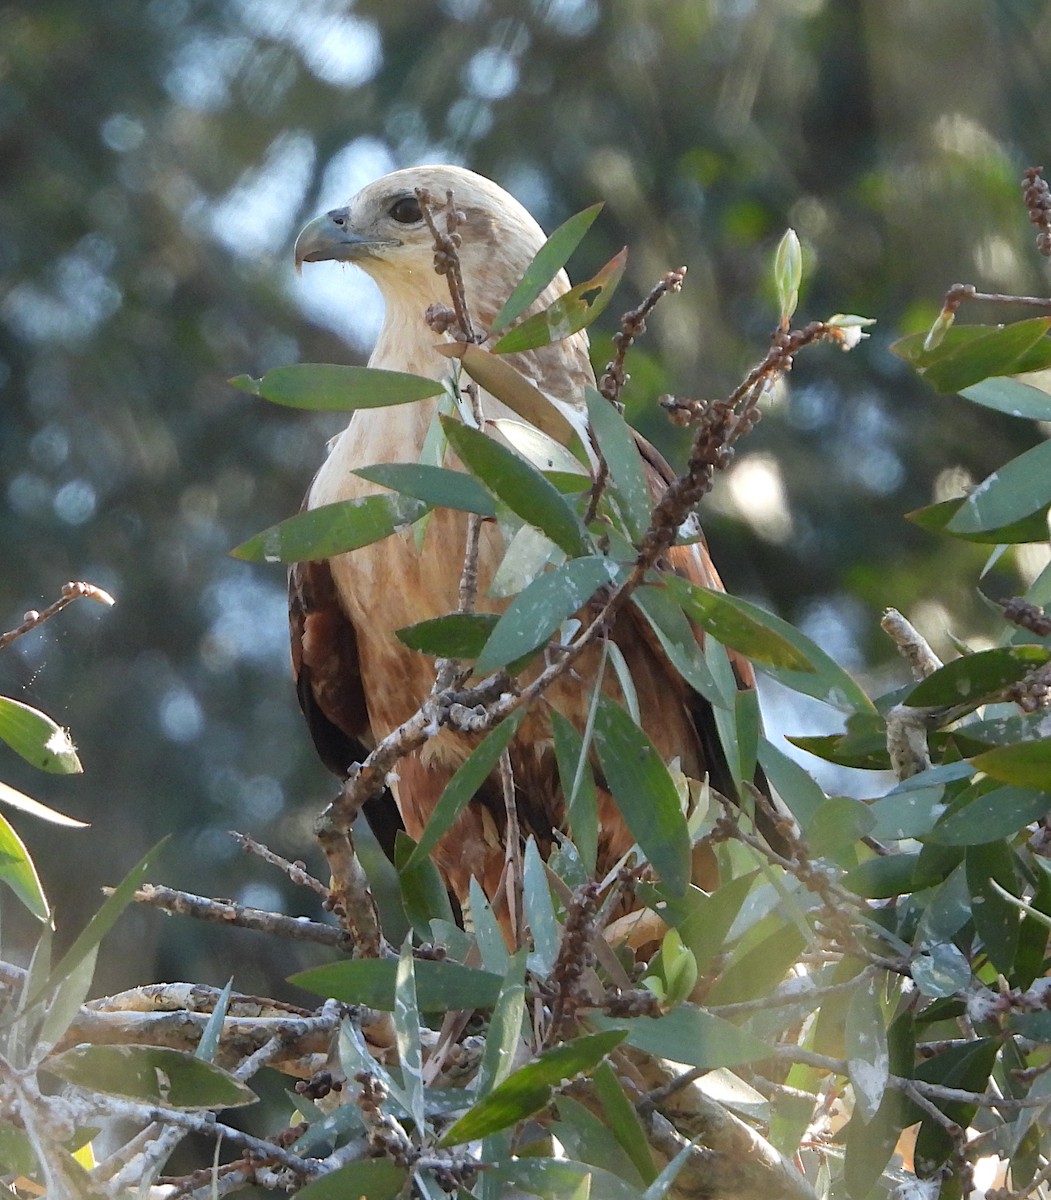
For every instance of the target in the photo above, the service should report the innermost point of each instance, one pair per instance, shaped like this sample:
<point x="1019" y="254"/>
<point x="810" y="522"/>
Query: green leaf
<point x="967" y="1067"/>
<point x="505" y="1027"/>
<point x="544" y="452"/>
<point x="863" y="744"/>
<point x="441" y="984"/>
<point x="423" y="894"/>
<point x="788" y="275"/>
<point x="539" y="911"/>
<point x="64" y="1004"/>
<point x="1027" y="764"/>
<point x="547" y="262"/>
<point x="528" y="553"/>
<point x="153" y="1074"/>
<point x="558" y="1179"/>
<point x="837" y="824"/>
<point x="500" y="379"/>
<point x="587" y="1139"/>
<point x="976" y="677"/>
<point x="882" y="877"/>
<point x="570" y="313"/>
<point x="519" y="485"/>
<point x="487" y="932"/>
<point x="37" y="738"/>
<point x="529" y="1089"/>
<point x="796" y="786"/>
<point x="536" y="613"/>
<point x="1018" y="489"/>
<point x="407" y="1034"/>
<point x="331" y="529"/>
<point x="1012" y="396"/>
<point x="690" y="1035"/>
<point x="702" y="919"/>
<point x="208" y="1045"/>
<point x="469" y="777"/>
<point x="439" y="487"/>
<point x="823" y="678"/>
<point x="624" y="1121"/>
<point x="995" y="920"/>
<point x="578" y="787"/>
<point x="24" y="803"/>
<point x="644" y="793"/>
<point x="992" y="815"/>
<point x="678" y="639"/>
<point x="736" y="623"/>
<point x="376" y="1178"/>
<point x="760" y="963"/>
<point x="868" y="1060"/>
<point x="456" y="635"/>
<point x="104" y="920"/>
<point x="937" y="518"/>
<point x="969" y="354"/>
<point x="617" y="444"/>
<point x="941" y="970"/>
<point x="326" y="387"/>
<point x="19" y="873"/>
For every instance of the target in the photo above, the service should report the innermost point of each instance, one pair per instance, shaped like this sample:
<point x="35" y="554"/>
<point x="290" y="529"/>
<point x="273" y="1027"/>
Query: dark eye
<point x="406" y="211"/>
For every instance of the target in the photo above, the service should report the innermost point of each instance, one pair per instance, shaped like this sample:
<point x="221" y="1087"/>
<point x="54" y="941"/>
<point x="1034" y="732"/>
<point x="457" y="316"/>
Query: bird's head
<point x="383" y="231"/>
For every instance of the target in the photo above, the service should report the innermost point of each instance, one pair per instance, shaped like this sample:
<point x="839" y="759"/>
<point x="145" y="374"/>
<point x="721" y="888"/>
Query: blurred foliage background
<point x="156" y="161"/>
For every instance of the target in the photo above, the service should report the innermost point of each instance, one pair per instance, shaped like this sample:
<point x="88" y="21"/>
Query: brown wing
<point x="328" y="684"/>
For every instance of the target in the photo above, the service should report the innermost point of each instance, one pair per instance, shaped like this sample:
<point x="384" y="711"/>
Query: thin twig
<point x="226" y="912"/>
<point x="296" y="871"/>
<point x="70" y="592"/>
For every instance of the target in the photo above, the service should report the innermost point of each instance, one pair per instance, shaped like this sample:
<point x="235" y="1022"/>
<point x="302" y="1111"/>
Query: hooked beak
<point x="331" y="237"/>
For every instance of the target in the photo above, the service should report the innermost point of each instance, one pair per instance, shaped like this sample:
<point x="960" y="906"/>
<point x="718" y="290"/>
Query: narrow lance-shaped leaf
<point x="103" y="921"/>
<point x="995" y="919"/>
<point x="868" y="1061"/>
<point x="624" y="1121"/>
<point x="569" y="313"/>
<point x="437" y="486"/>
<point x="644" y="792"/>
<point x="157" y="1075"/>
<point x="469" y="777"/>
<point x="539" y="911"/>
<point x="1016" y="397"/>
<point x="534" y="615"/>
<point x="529" y="1089"/>
<point x="968" y="354"/>
<point x="423" y="894"/>
<point x="332" y="529"/>
<point x="37" y="738"/>
<point x="936" y="518"/>
<point x="992" y="815"/>
<point x="547" y="262"/>
<point x="736" y="623"/>
<point x="19" y="800"/>
<point x="690" y="1035"/>
<point x="519" y="485"/>
<point x="441" y="985"/>
<point x="505" y="1027"/>
<point x="977" y="677"/>
<point x="376" y="1178"/>
<point x="327" y="387"/>
<point x="19" y="873"/>
<point x="500" y="379"/>
<point x="616" y="441"/>
<point x="578" y="787"/>
<point x="1018" y="489"/>
<point x="407" y="1034"/>
<point x="456" y="635"/>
